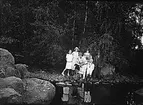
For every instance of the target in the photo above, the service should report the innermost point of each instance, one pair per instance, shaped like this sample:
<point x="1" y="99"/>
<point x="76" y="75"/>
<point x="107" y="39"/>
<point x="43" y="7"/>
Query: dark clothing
<point x="70" y="72"/>
<point x="77" y="67"/>
<point x="87" y="86"/>
<point x="66" y="71"/>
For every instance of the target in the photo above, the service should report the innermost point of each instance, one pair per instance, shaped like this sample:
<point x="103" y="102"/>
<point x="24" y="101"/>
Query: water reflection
<point x="76" y="94"/>
<point x="65" y="96"/>
<point x="93" y="94"/>
<point x="87" y="89"/>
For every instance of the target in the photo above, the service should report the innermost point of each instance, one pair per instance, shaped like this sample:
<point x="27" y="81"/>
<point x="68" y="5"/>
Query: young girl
<point x="83" y="66"/>
<point x="69" y="59"/>
<point x="75" y="57"/>
<point x="90" y="68"/>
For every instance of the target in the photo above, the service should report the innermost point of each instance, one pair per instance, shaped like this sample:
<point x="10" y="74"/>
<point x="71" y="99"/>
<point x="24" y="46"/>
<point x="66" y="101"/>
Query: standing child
<point x="83" y="67"/>
<point x="69" y="59"/>
<point x="90" y="68"/>
<point x="75" y="59"/>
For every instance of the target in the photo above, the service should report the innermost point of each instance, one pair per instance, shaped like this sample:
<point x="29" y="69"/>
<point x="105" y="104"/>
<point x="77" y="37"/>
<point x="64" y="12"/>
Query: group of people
<point x="76" y="62"/>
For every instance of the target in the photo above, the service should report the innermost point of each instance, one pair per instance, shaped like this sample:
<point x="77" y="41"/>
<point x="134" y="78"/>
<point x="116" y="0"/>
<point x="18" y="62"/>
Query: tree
<point x="134" y="23"/>
<point x="106" y="51"/>
<point x="45" y="46"/>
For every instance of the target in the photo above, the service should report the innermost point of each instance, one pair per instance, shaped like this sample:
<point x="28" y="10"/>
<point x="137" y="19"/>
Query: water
<point x="97" y="94"/>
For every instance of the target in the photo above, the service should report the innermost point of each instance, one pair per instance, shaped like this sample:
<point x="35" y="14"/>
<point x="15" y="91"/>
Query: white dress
<point x="90" y="68"/>
<point x="69" y="58"/>
<point x="75" y="59"/>
<point x="83" y="67"/>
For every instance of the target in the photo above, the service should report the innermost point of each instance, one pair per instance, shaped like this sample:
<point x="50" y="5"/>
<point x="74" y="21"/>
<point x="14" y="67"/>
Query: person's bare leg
<point x="63" y="72"/>
<point x="84" y="75"/>
<point x="68" y="72"/>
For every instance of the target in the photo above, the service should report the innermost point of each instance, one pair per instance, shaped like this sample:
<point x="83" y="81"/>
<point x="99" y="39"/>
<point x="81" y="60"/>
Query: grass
<point x="54" y="75"/>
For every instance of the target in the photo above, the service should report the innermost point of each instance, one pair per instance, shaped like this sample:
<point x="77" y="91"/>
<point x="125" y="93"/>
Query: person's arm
<point x="72" y="53"/>
<point x="66" y="57"/>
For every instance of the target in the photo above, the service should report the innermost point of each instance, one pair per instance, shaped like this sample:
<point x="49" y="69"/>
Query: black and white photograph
<point x="71" y="52"/>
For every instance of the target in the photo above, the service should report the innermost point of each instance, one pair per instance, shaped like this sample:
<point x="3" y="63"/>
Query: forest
<point x="40" y="32"/>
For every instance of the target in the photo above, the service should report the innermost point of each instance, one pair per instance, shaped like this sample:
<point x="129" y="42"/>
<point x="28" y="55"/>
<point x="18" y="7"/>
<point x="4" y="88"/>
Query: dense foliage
<point x="134" y="22"/>
<point x="41" y="32"/>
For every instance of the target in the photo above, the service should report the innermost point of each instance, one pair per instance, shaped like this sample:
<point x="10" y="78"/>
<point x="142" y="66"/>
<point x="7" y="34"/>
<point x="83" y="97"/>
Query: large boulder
<point x="38" y="91"/>
<point x="22" y="69"/>
<point x="2" y="83"/>
<point x="12" y="82"/>
<point x="107" y="70"/>
<point x="8" y="70"/>
<point x="15" y="83"/>
<point x="7" y="63"/>
<point x="6" y="57"/>
<point x="11" y="90"/>
<point x="9" y="95"/>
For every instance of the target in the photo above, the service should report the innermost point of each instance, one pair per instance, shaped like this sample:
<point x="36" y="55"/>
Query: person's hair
<point x="70" y="51"/>
<point x="88" y="49"/>
<point x="76" y="48"/>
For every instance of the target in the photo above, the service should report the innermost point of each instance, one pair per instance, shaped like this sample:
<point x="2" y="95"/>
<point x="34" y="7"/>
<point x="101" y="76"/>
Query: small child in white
<point x="90" y="68"/>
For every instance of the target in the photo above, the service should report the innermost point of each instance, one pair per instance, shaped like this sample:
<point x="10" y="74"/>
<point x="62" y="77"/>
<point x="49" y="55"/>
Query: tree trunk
<point x="73" y="38"/>
<point x="85" y="20"/>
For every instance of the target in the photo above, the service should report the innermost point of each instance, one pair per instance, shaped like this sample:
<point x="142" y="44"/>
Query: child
<point x="69" y="59"/>
<point x="90" y="68"/>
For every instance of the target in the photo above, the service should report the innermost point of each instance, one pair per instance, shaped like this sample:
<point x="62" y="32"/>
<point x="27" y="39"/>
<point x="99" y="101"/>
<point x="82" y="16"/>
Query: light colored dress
<point x="75" y="59"/>
<point x="69" y="58"/>
<point x="90" y="68"/>
<point x="83" y="67"/>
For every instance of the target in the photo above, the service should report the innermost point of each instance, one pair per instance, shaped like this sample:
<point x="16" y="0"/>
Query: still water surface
<point x="96" y="94"/>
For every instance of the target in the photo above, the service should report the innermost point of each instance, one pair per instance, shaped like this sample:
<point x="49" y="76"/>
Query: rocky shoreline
<point x="17" y="88"/>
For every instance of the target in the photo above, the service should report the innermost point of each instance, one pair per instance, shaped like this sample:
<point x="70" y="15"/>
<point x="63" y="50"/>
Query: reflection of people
<point x="87" y="95"/>
<point x="69" y="59"/>
<point x="65" y="97"/>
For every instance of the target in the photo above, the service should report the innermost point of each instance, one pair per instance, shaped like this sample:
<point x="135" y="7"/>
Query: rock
<point x="6" y="57"/>
<point x="107" y="70"/>
<point x="7" y="62"/>
<point x="22" y="69"/>
<point x="8" y="70"/>
<point x="9" y="95"/>
<point x="2" y="83"/>
<point x="12" y="82"/>
<point x="15" y="83"/>
<point x="2" y="72"/>
<point x="7" y="92"/>
<point x="38" y="91"/>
